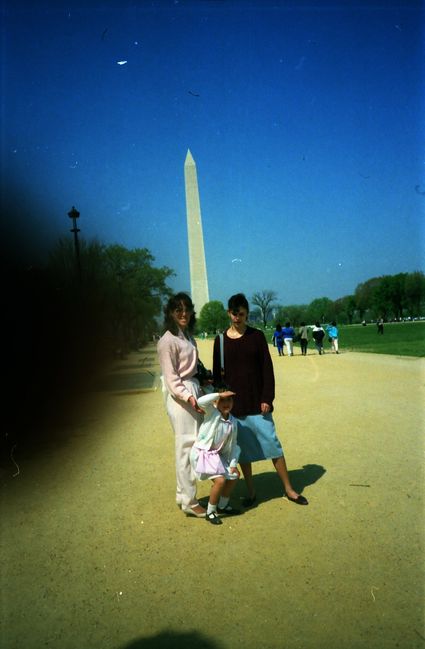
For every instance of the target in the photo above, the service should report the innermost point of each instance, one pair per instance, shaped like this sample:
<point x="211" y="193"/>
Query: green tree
<point x="384" y="296"/>
<point x="415" y="293"/>
<point x="365" y="296"/>
<point x="321" y="310"/>
<point x="381" y="299"/>
<point x="213" y="317"/>
<point x="345" y="309"/>
<point x="398" y="293"/>
<point x="121" y="291"/>
<point x="60" y="328"/>
<point x="294" y="313"/>
<point x="264" y="300"/>
<point x="137" y="290"/>
<point x="389" y="295"/>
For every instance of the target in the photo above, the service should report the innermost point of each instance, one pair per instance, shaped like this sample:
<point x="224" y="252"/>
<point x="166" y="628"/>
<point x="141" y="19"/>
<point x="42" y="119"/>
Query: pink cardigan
<point x="178" y="358"/>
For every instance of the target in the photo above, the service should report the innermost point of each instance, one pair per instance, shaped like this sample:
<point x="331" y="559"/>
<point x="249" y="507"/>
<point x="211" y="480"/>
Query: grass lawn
<point x="401" y="339"/>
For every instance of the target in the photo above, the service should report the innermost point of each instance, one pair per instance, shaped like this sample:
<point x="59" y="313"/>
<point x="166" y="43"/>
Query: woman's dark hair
<point x="302" y="324"/>
<point x="317" y="324"/>
<point x="238" y="301"/>
<point x="287" y="324"/>
<point x="176" y="301"/>
<point x="278" y="327"/>
<point x="333" y="323"/>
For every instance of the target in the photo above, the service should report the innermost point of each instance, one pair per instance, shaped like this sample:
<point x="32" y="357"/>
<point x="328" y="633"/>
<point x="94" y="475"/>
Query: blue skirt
<point x="257" y="438"/>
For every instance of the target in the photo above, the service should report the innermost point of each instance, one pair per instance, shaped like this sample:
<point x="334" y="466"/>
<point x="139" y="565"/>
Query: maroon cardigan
<point x="248" y="371"/>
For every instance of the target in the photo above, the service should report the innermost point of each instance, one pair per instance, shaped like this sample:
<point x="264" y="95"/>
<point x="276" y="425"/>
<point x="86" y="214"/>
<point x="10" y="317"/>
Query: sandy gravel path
<point x="98" y="556"/>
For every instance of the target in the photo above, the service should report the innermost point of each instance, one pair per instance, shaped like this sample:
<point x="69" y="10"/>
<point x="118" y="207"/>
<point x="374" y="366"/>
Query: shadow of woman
<point x="174" y="640"/>
<point x="268" y="485"/>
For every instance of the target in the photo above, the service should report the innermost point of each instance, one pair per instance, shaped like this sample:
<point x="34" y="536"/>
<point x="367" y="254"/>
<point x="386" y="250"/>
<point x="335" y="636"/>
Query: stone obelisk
<point x="197" y="265"/>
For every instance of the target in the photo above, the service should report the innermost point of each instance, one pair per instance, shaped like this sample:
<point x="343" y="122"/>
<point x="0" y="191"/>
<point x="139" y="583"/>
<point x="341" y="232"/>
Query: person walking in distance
<point x="303" y="336"/>
<point x="332" y="331"/>
<point x="278" y="339"/>
<point x="318" y="334"/>
<point x="288" y="338"/>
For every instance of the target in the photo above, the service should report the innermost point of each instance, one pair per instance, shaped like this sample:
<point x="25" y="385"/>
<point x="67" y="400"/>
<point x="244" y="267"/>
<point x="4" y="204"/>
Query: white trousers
<point x="335" y="344"/>
<point x="289" y="346"/>
<point x="185" y="422"/>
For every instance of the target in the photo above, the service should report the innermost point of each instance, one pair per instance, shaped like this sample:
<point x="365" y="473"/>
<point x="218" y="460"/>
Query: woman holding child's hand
<point x="194" y="404"/>
<point x="178" y="357"/>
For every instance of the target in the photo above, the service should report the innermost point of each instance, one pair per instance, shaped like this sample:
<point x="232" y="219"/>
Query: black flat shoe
<point x="213" y="518"/>
<point x="299" y="500"/>
<point x="229" y="511"/>
<point x="249" y="502"/>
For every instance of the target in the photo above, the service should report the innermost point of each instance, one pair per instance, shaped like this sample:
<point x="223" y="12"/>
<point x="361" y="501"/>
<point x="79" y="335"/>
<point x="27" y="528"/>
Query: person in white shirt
<point x="318" y="334"/>
<point x="215" y="453"/>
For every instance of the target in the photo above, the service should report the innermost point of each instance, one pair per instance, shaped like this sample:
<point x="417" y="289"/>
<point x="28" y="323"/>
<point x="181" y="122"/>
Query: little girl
<point x="215" y="453"/>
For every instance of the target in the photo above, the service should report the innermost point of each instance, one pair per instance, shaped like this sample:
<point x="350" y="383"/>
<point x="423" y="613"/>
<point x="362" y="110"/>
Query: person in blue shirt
<point x="288" y="338"/>
<point x="278" y="339"/>
<point x="332" y="331"/>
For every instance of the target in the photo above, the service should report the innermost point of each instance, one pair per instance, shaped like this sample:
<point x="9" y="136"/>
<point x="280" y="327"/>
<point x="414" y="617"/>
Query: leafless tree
<point x="264" y="300"/>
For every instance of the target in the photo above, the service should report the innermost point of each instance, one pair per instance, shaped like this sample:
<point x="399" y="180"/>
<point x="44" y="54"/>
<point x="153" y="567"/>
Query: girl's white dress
<point x="216" y="432"/>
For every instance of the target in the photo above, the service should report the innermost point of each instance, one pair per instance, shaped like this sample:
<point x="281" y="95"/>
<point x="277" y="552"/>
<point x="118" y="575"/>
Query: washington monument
<point x="197" y="266"/>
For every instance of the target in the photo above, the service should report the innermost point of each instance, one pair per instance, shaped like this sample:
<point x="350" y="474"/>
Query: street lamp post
<point x="74" y="214"/>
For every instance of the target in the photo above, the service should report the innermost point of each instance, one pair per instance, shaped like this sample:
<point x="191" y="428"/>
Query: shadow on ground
<point x="268" y="485"/>
<point x="174" y="640"/>
<point x="59" y="416"/>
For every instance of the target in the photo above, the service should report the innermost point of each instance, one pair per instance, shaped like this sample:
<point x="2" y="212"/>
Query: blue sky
<point x="305" y="120"/>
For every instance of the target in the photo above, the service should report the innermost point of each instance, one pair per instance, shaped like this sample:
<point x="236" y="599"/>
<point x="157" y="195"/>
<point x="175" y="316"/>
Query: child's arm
<point x="208" y="399"/>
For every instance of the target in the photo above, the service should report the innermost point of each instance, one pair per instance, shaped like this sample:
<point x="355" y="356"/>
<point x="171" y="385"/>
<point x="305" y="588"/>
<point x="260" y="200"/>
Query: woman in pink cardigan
<point x="178" y="357"/>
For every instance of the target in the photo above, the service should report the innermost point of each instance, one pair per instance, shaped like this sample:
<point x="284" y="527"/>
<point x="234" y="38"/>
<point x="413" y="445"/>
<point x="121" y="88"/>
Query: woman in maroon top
<point x="248" y="371"/>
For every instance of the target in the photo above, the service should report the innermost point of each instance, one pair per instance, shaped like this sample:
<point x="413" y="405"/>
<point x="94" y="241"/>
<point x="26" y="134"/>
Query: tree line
<point x="112" y="301"/>
<point x="118" y="295"/>
<point x="64" y="319"/>
<point x="391" y="297"/>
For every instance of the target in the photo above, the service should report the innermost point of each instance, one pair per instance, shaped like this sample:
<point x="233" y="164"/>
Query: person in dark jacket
<point x="318" y="334"/>
<point x="303" y="338"/>
<point x="248" y="371"/>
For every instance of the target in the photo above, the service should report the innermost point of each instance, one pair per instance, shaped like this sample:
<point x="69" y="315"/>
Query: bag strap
<point x="221" y="340"/>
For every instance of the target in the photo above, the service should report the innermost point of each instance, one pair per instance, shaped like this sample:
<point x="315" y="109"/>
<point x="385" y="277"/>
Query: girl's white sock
<point x="211" y="508"/>
<point x="223" y="502"/>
